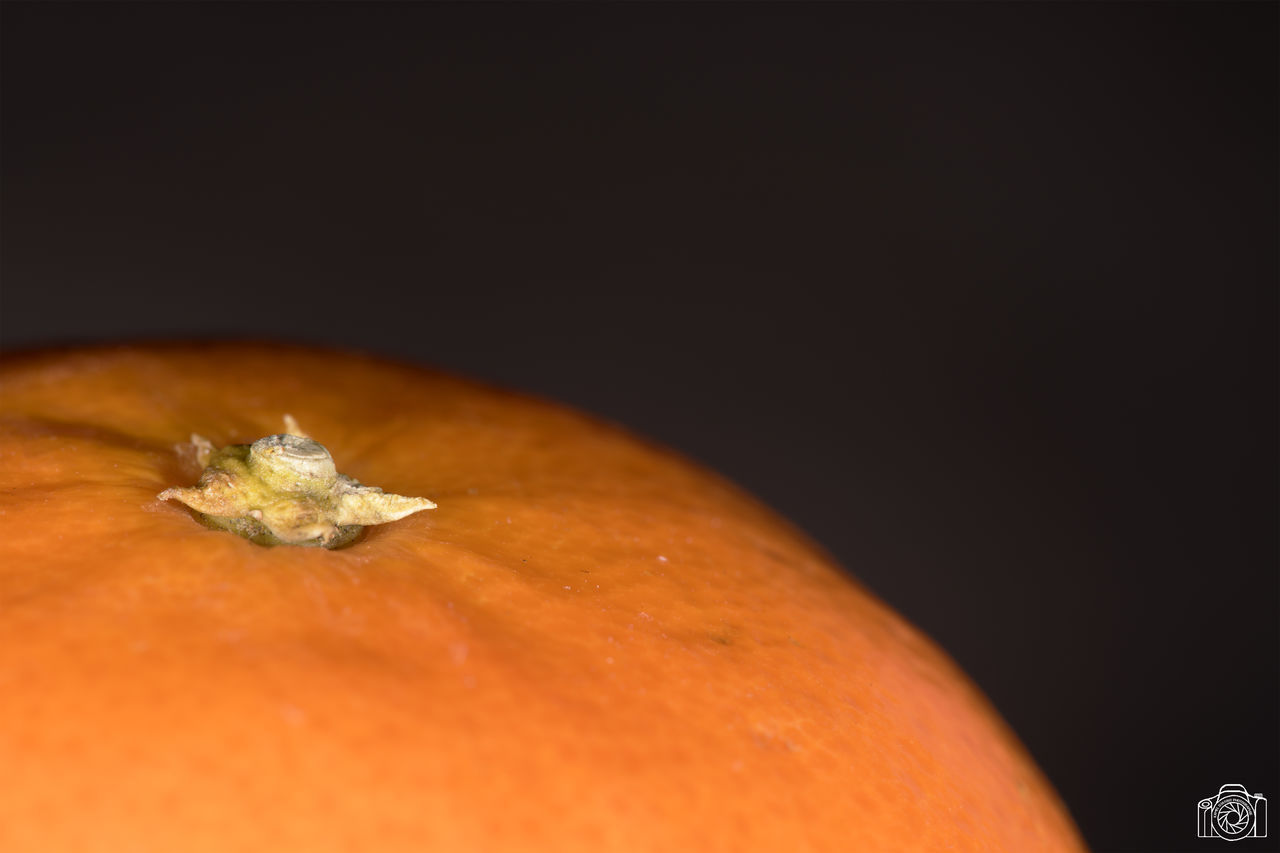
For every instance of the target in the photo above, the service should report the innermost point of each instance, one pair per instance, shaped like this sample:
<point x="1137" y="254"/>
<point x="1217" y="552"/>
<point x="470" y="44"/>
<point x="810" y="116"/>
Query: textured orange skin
<point x="592" y="645"/>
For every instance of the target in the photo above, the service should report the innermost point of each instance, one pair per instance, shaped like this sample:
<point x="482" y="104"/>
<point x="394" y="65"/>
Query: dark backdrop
<point x="982" y="296"/>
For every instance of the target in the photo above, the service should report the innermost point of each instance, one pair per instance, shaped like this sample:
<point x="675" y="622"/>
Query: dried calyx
<point x="285" y="490"/>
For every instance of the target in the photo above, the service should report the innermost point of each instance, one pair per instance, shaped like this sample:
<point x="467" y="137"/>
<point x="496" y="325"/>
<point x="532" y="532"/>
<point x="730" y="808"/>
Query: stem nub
<point x="285" y="490"/>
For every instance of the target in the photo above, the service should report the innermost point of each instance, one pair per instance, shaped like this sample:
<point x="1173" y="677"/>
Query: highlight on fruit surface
<point x="285" y="489"/>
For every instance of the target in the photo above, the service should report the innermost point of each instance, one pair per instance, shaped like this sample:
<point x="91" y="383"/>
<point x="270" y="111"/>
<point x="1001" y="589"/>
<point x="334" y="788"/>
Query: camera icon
<point x="1233" y="814"/>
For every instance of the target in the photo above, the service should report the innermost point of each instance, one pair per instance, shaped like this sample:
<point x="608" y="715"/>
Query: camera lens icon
<point x="1233" y="814"/>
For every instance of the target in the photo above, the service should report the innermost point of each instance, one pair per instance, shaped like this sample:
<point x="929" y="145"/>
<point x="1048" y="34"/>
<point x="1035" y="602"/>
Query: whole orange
<point x="590" y="645"/>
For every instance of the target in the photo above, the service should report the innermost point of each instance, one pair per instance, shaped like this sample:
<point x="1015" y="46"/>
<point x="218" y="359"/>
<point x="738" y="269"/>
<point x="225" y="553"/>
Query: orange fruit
<point x="589" y="645"/>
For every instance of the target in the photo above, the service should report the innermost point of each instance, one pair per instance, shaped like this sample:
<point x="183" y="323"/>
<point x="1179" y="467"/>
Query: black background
<point x="982" y="296"/>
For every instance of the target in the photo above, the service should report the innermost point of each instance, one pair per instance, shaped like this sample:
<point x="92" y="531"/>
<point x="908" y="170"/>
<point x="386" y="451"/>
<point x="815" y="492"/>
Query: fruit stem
<point x="284" y="489"/>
